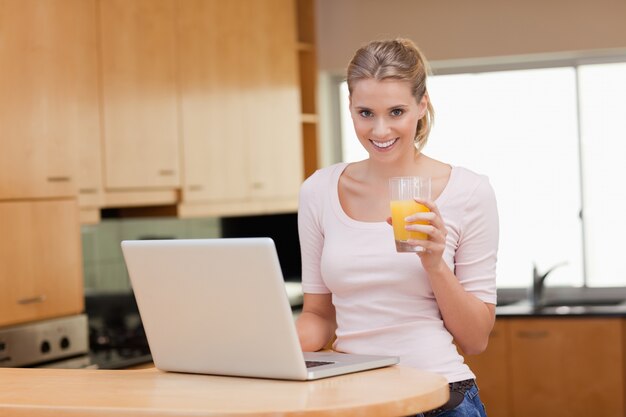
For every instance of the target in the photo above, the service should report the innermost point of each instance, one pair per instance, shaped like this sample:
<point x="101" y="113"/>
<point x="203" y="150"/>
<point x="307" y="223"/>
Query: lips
<point x="384" y="145"/>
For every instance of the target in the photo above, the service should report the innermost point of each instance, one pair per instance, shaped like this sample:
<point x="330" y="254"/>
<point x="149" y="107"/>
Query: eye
<point x="365" y="113"/>
<point x="397" y="112"/>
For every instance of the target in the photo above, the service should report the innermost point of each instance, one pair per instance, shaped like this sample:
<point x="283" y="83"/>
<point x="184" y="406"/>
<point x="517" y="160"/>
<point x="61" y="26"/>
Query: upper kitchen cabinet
<point x="240" y="107"/>
<point x="48" y="95"/>
<point x="307" y="70"/>
<point x="139" y="97"/>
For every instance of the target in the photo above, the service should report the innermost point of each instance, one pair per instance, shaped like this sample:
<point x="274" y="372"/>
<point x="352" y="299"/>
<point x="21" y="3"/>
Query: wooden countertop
<point x="391" y="391"/>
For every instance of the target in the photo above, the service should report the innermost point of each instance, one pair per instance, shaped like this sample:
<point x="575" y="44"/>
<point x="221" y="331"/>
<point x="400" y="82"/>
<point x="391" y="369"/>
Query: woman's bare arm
<point x="316" y="324"/>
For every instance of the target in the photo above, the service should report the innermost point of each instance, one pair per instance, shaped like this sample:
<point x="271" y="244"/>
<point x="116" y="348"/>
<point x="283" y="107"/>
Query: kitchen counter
<point x="390" y="391"/>
<point x="564" y="302"/>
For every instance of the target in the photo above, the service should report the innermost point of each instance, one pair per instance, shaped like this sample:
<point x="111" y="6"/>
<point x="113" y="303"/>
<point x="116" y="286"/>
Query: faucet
<point x="536" y="295"/>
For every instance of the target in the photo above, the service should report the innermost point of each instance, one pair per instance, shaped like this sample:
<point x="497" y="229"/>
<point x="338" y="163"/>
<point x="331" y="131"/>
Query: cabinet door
<point x="239" y="100"/>
<point x="567" y="367"/>
<point x="211" y="77"/>
<point x="89" y="135"/>
<point x="139" y="93"/>
<point x="40" y="260"/>
<point x="47" y="100"/>
<point x="492" y="371"/>
<point x="272" y="99"/>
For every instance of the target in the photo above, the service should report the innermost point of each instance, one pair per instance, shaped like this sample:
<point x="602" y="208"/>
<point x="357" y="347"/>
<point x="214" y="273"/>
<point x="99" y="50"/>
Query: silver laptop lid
<point x="193" y="296"/>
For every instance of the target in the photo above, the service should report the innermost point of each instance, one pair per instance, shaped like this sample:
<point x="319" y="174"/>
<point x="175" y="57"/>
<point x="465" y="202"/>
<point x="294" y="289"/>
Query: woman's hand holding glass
<point x="432" y="225"/>
<point x="435" y="229"/>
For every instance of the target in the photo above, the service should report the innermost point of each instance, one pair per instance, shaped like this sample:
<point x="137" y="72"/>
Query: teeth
<point x="384" y="144"/>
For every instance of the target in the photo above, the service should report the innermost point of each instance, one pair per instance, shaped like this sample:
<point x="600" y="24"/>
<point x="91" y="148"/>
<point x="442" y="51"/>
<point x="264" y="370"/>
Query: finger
<point x="433" y="232"/>
<point x="437" y="219"/>
<point x="389" y="221"/>
<point x="425" y="246"/>
<point x="430" y="204"/>
<point x="429" y="246"/>
<point x="427" y="216"/>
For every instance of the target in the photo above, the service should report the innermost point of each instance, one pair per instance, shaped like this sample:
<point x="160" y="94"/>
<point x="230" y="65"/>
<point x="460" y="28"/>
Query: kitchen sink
<point x="564" y="300"/>
<point x="565" y="305"/>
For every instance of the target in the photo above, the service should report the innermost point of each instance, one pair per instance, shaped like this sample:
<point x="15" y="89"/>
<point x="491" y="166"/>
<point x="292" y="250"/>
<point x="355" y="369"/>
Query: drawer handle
<point x="59" y="179"/>
<point x="196" y="188"/>
<point x="166" y="172"/>
<point x="533" y="334"/>
<point x="257" y="185"/>
<point x="88" y="191"/>
<point x="32" y="300"/>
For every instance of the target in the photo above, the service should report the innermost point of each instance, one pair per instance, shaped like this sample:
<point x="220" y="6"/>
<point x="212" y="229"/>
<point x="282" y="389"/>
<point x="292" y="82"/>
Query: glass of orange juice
<point x="403" y="192"/>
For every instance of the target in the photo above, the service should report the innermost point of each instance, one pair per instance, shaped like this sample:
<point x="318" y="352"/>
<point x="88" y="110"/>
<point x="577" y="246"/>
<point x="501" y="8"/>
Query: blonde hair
<point x="398" y="59"/>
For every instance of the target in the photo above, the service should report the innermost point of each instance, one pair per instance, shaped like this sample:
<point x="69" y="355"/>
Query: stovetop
<point x="116" y="335"/>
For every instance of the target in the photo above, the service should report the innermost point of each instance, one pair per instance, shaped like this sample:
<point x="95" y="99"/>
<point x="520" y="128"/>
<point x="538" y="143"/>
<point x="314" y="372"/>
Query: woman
<point x="357" y="287"/>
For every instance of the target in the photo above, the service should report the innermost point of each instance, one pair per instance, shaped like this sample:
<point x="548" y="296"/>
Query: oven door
<point x="78" y="362"/>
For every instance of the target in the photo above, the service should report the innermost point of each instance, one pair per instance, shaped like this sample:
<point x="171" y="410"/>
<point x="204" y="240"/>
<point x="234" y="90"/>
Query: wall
<point x="458" y="34"/>
<point x="103" y="262"/>
<point x="462" y="29"/>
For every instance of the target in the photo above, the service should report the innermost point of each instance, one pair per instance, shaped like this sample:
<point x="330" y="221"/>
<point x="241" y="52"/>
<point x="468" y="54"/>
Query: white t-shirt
<point x="384" y="303"/>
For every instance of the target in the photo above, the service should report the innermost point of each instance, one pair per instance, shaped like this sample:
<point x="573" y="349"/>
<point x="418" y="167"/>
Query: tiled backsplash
<point x="103" y="264"/>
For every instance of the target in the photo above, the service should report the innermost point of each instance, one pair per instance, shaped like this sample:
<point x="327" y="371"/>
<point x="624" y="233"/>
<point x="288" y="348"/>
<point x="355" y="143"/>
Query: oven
<point x="60" y="342"/>
<point x="109" y="335"/>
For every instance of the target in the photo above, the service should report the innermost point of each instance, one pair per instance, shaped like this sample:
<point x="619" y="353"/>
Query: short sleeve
<point x="476" y="255"/>
<point x="311" y="234"/>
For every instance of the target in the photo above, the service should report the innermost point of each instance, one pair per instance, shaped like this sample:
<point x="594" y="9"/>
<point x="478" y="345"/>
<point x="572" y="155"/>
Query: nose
<point x="381" y="128"/>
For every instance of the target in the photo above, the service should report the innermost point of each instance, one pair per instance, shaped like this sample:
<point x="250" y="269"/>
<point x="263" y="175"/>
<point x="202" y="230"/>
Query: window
<point x="602" y="109"/>
<point x="521" y="129"/>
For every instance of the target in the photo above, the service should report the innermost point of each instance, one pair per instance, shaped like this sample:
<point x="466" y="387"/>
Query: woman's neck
<point x="416" y="165"/>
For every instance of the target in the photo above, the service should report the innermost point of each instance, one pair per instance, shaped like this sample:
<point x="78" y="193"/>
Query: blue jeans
<point x="470" y="407"/>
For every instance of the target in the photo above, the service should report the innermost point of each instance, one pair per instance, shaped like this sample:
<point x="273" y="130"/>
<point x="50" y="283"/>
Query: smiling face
<point x="385" y="115"/>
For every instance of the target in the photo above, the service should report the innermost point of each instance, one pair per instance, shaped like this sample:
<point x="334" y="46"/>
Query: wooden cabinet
<point x="307" y="70"/>
<point x="567" y="367"/>
<point x="40" y="260"/>
<point x="270" y="100"/>
<point x="542" y="366"/>
<point x="139" y="108"/>
<point x="212" y="114"/>
<point x="492" y="371"/>
<point x="239" y="106"/>
<point x="48" y="90"/>
<point x="158" y="102"/>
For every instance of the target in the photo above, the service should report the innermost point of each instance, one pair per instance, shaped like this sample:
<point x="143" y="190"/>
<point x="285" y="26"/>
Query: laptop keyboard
<point x="312" y="364"/>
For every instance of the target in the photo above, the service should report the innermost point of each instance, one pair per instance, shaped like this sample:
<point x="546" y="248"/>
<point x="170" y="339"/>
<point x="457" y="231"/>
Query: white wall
<point x="461" y="29"/>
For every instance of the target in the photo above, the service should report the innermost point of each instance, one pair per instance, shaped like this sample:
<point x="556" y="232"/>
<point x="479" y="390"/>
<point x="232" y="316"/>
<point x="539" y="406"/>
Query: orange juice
<point x="401" y="209"/>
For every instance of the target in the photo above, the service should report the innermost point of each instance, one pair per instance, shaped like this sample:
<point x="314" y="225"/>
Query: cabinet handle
<point x="32" y="300"/>
<point x="533" y="334"/>
<point x="195" y="188"/>
<point x="166" y="172"/>
<point x="257" y="185"/>
<point x="87" y="191"/>
<point x="59" y="179"/>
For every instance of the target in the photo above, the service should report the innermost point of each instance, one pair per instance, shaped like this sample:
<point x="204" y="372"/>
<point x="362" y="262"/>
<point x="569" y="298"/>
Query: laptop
<point x="219" y="307"/>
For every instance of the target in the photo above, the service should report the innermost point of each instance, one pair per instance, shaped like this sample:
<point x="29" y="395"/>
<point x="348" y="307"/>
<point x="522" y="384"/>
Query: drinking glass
<point x="403" y="192"/>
